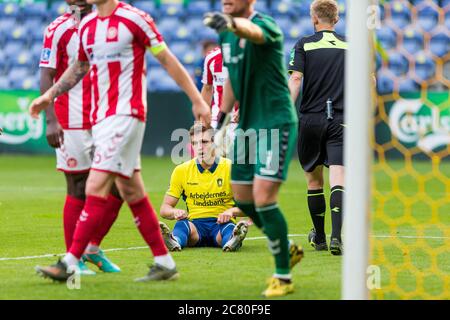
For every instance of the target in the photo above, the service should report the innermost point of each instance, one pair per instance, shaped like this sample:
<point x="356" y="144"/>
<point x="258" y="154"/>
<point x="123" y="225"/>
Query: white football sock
<point x="283" y="276"/>
<point x="165" y="261"/>
<point x="91" y="248"/>
<point x="70" y="260"/>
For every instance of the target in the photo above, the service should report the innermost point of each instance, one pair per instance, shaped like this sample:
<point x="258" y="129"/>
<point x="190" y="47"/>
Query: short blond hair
<point x="326" y="10"/>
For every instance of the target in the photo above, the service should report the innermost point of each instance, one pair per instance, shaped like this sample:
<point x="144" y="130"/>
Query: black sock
<point x="337" y="193"/>
<point x="317" y="208"/>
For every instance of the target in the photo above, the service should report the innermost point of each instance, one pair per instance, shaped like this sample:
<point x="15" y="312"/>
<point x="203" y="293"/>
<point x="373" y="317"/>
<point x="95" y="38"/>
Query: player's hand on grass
<point x="39" y="104"/>
<point x="225" y="216"/>
<point x="202" y="112"/>
<point x="219" y="21"/>
<point x="179" y="214"/>
<point x="55" y="134"/>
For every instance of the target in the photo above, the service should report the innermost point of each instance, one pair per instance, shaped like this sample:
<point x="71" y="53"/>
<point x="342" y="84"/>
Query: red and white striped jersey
<point x="215" y="74"/>
<point x="60" y="50"/>
<point x="115" y="48"/>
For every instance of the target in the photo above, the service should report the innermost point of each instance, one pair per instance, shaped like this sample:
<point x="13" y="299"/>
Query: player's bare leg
<point x="337" y="193"/>
<point x="133" y="192"/>
<point x="317" y="208"/>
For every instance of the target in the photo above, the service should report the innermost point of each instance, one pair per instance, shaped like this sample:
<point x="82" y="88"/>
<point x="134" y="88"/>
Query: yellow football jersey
<point x="207" y="193"/>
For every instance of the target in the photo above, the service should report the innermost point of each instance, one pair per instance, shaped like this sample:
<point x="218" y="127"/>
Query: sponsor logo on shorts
<point x="97" y="158"/>
<point x="72" y="163"/>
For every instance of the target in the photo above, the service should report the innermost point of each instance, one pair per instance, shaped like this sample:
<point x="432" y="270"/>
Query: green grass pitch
<point x="31" y="200"/>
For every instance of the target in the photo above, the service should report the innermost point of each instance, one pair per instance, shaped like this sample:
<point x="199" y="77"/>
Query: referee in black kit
<point x="319" y="60"/>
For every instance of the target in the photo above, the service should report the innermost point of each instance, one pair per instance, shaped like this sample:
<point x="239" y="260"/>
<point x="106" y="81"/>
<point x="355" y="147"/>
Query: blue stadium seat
<point x="387" y="37"/>
<point x="16" y="76"/>
<point x="57" y="8"/>
<point x="289" y="45"/>
<point x="185" y="53"/>
<point x="294" y="32"/>
<point x="385" y="82"/>
<point x="301" y="9"/>
<point x="440" y="44"/>
<point x="206" y="34"/>
<point x="285" y="24"/>
<point x="425" y="67"/>
<point x="261" y="6"/>
<point x="167" y="27"/>
<point x="217" y="6"/>
<point x="342" y="9"/>
<point x="172" y="10"/>
<point x="35" y="9"/>
<point x="3" y="63"/>
<point x="4" y="83"/>
<point x="35" y="50"/>
<point x="151" y="61"/>
<point x="408" y="85"/>
<point x="198" y="8"/>
<point x="340" y="26"/>
<point x="398" y="64"/>
<point x="400" y="13"/>
<point x="306" y="27"/>
<point x="412" y="40"/>
<point x="12" y="48"/>
<point x="26" y="83"/>
<point x="194" y="24"/>
<point x="22" y="59"/>
<point x="159" y="80"/>
<point x="18" y="34"/>
<point x="9" y="10"/>
<point x="418" y="2"/>
<point x="182" y="33"/>
<point x="146" y="5"/>
<point x="428" y="18"/>
<point x="6" y="25"/>
<point x="282" y="8"/>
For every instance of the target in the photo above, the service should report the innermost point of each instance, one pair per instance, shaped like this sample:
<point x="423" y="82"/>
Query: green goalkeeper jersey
<point x="258" y="76"/>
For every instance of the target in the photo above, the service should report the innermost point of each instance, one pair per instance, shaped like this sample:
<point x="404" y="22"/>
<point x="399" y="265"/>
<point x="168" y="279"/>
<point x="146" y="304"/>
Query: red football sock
<point x="112" y="211"/>
<point x="89" y="221"/>
<point x="148" y="225"/>
<point x="72" y="211"/>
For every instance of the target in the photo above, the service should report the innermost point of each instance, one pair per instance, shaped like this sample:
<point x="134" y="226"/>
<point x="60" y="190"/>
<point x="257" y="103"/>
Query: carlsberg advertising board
<point x="419" y="123"/>
<point x="21" y="134"/>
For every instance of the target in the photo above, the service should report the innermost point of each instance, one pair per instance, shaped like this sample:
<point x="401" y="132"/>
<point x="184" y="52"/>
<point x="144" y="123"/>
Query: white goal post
<point x="357" y="154"/>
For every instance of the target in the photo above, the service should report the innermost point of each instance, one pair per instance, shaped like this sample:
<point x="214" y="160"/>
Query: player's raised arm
<point x="178" y="73"/>
<point x="68" y="80"/>
<point x="242" y="27"/>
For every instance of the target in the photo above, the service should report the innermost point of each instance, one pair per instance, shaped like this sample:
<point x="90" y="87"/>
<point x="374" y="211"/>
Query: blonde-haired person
<point x="319" y="60"/>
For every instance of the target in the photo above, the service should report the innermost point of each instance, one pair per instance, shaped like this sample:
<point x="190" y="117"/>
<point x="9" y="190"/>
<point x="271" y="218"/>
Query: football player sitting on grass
<point x="204" y="183"/>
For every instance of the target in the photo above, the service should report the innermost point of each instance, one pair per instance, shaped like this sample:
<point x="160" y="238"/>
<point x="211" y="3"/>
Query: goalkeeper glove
<point x="219" y="21"/>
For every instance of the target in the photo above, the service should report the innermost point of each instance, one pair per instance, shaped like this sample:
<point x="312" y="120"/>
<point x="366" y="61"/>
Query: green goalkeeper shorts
<point x="263" y="153"/>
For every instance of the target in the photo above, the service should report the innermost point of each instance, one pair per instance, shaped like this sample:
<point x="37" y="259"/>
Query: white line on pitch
<point x="247" y="239"/>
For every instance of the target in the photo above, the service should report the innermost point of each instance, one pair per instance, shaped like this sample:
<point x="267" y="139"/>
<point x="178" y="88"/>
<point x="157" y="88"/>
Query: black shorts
<point x="320" y="141"/>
